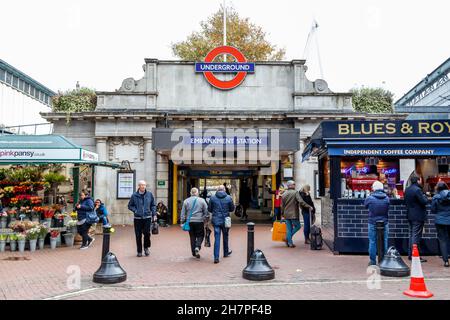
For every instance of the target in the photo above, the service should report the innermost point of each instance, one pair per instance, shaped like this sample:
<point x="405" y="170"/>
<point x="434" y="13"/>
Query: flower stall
<point x="33" y="211"/>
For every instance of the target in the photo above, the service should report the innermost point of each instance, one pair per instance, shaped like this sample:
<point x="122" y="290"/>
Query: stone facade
<point x="171" y="94"/>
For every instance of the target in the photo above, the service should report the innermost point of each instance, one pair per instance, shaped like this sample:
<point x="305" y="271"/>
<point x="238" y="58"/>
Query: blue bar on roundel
<point x="222" y="67"/>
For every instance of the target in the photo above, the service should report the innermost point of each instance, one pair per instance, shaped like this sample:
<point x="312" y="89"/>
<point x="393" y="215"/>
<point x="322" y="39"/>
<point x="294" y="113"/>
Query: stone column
<point x="102" y="190"/>
<point x="298" y="168"/>
<point x="150" y="165"/>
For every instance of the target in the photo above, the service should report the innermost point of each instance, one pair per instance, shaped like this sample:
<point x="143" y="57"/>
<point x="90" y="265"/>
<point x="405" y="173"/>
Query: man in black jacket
<point x="416" y="202"/>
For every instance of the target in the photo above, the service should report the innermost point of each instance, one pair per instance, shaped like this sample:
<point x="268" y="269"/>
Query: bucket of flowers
<point x="54" y="234"/>
<point x="60" y="219"/>
<point x="12" y="213"/>
<point x="43" y="231"/>
<point x="3" y="219"/>
<point x="3" y="238"/>
<point x="21" y="240"/>
<point x="72" y="226"/>
<point x="48" y="216"/>
<point x="32" y="236"/>
<point x="13" y="242"/>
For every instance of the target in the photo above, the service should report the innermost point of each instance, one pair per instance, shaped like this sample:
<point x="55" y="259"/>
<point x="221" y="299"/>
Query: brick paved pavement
<point x="170" y="272"/>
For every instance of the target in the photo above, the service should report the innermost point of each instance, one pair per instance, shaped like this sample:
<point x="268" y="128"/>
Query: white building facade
<point x="22" y="99"/>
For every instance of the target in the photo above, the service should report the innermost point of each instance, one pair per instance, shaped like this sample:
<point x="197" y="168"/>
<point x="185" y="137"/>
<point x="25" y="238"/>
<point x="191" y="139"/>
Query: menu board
<point x="125" y="184"/>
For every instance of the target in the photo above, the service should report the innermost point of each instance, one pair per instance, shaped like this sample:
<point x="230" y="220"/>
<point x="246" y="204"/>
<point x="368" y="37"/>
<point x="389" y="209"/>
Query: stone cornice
<point x="147" y="115"/>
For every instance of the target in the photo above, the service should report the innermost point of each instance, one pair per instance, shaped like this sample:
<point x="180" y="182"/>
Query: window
<point x="15" y="82"/>
<point x="27" y="88"/>
<point x="31" y="91"/>
<point x="21" y="85"/>
<point x="36" y="94"/>
<point x="2" y="75"/>
<point x="8" y="78"/>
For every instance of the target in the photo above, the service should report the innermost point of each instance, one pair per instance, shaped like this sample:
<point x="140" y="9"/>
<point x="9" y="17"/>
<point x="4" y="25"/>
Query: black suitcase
<point x="315" y="234"/>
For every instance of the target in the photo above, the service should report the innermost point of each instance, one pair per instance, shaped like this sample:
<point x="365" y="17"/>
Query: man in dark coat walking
<point x="142" y="204"/>
<point x="220" y="207"/>
<point x="416" y="204"/>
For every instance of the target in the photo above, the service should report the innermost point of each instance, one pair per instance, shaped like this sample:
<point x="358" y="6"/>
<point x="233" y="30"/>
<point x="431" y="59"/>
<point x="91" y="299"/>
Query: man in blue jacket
<point x="416" y="203"/>
<point x="378" y="205"/>
<point x="142" y="204"/>
<point x="220" y="205"/>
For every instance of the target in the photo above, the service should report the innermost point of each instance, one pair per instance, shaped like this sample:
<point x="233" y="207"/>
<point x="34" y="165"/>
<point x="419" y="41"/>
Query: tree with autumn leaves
<point x="249" y="38"/>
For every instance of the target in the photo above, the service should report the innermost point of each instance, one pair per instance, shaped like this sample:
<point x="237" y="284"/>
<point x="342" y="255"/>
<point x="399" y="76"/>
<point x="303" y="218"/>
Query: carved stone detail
<point x="128" y="85"/>
<point x="137" y="141"/>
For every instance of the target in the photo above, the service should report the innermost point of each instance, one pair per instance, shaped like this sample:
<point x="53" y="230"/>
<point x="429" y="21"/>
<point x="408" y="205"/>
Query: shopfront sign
<point x="387" y="129"/>
<point x="16" y="154"/>
<point x="389" y="151"/>
<point x="240" y="68"/>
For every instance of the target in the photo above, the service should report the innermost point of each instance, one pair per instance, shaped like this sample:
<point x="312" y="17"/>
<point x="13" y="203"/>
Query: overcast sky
<point x="100" y="42"/>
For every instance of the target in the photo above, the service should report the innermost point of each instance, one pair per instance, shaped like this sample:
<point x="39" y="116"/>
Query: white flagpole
<point x="224" y="28"/>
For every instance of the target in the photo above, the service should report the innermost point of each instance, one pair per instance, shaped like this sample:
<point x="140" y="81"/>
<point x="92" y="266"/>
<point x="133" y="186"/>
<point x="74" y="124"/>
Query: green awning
<point x="40" y="149"/>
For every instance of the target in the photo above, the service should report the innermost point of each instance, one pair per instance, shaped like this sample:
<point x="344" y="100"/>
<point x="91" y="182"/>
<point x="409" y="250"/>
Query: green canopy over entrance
<point x="41" y="149"/>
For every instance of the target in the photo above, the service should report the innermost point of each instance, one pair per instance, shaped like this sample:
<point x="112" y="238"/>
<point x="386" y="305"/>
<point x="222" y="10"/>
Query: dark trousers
<point x="306" y="224"/>
<point x="196" y="233"/>
<point x="244" y="211"/>
<point x="83" y="230"/>
<point x="217" y="231"/>
<point x="142" y="227"/>
<point x="276" y="214"/>
<point x="415" y="235"/>
<point x="443" y="232"/>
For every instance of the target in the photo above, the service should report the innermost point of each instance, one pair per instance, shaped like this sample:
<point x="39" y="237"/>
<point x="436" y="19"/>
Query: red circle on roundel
<point x="230" y="84"/>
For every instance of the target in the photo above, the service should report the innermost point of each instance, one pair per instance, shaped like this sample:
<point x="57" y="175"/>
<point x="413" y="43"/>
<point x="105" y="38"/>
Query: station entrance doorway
<point x="245" y="185"/>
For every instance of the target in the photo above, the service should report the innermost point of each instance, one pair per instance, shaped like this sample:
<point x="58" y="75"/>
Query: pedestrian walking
<point x="102" y="213"/>
<point x="84" y="208"/>
<point x="291" y="202"/>
<point x="195" y="213"/>
<point x="220" y="205"/>
<point x="308" y="214"/>
<point x="276" y="203"/>
<point x="416" y="205"/>
<point x="440" y="206"/>
<point x="142" y="204"/>
<point x="227" y="190"/>
<point x="378" y="205"/>
<point x="245" y="196"/>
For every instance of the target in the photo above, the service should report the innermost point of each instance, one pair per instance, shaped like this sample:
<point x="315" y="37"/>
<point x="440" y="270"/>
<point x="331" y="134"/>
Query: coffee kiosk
<point x="354" y="154"/>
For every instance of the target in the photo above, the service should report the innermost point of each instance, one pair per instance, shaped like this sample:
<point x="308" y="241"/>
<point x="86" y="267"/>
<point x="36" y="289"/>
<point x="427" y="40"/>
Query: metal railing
<point x="28" y="129"/>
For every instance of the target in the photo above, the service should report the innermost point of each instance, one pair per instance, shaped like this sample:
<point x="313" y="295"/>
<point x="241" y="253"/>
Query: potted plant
<point x="32" y="236"/>
<point x="21" y="240"/>
<point x="3" y="219"/>
<point x="43" y="231"/>
<point x="13" y="242"/>
<point x="54" y="234"/>
<point x="3" y="238"/>
<point x="54" y="179"/>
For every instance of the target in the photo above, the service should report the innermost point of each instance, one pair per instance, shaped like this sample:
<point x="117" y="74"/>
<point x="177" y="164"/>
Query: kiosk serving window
<point x="358" y="175"/>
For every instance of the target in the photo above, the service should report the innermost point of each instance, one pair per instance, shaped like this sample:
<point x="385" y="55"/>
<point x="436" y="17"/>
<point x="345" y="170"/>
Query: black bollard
<point x="110" y="271"/>
<point x="380" y="240"/>
<point x="393" y="265"/>
<point x="258" y="269"/>
<point x="250" y="240"/>
<point x="106" y="240"/>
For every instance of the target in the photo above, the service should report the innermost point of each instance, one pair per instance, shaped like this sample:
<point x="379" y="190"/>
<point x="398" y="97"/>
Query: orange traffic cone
<point x="417" y="287"/>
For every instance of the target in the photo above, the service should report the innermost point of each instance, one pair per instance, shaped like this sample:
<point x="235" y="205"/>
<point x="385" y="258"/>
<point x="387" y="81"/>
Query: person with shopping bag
<point x="291" y="202"/>
<point x="194" y="213"/>
<point x="220" y="205"/>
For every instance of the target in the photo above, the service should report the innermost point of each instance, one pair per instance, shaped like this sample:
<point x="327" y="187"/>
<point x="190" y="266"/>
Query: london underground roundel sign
<point x="240" y="68"/>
